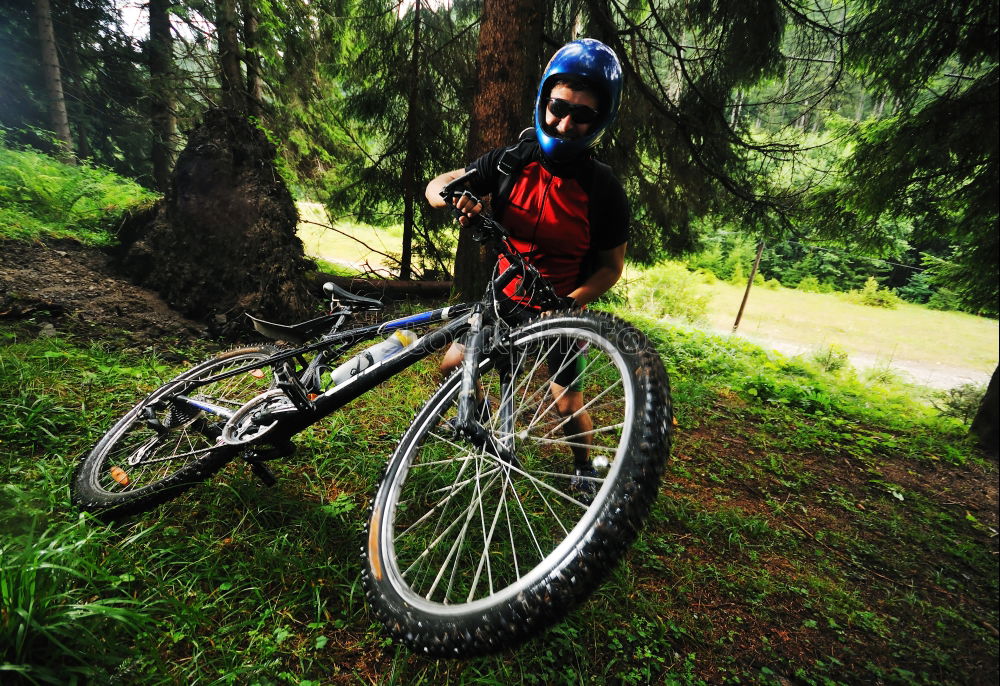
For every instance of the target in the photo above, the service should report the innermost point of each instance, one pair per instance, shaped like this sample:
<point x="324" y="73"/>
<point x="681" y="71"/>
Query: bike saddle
<point x="293" y="333"/>
<point x="348" y="298"/>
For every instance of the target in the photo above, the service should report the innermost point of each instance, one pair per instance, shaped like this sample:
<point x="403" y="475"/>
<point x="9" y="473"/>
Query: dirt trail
<point x="61" y="286"/>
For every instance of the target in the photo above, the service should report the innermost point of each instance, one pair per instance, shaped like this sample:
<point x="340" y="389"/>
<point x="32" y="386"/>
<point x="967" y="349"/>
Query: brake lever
<point x="449" y="191"/>
<point x="483" y="226"/>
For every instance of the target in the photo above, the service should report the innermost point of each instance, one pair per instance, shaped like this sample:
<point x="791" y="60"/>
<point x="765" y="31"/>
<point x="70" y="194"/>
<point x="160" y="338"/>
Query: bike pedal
<point x="272" y="452"/>
<point x="293" y="388"/>
<point x="261" y="471"/>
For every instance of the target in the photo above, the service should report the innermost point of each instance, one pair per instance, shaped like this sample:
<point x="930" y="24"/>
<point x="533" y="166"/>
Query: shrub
<point x="707" y="275"/>
<point x="809" y="284"/>
<point x="961" y="402"/>
<point x="918" y="289"/>
<point x="874" y="295"/>
<point x="832" y="358"/>
<point x="670" y="290"/>
<point x="772" y="284"/>
<point x="883" y="375"/>
<point x="944" y="299"/>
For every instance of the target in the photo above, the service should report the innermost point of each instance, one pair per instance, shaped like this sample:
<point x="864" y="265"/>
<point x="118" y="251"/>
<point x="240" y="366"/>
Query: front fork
<point x="498" y="442"/>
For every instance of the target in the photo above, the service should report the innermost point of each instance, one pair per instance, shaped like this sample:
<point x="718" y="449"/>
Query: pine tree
<point x="937" y="160"/>
<point x="161" y="101"/>
<point x="507" y="66"/>
<point x="407" y="84"/>
<point x="53" y="77"/>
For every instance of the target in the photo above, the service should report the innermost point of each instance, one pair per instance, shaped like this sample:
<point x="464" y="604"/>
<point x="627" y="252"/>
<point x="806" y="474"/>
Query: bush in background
<point x="961" y="402"/>
<point x="832" y="358"/>
<point x="945" y="299"/>
<point x="809" y="284"/>
<point x="670" y="290"/>
<point x="874" y="295"/>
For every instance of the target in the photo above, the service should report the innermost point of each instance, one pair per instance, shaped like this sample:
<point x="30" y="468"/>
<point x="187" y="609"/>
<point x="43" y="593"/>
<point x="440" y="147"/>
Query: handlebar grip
<point x="449" y="189"/>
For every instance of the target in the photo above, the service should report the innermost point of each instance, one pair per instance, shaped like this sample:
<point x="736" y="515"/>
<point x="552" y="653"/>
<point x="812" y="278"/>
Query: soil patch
<point x="63" y="287"/>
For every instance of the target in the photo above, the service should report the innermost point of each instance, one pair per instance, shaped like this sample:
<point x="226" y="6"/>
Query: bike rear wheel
<point x="472" y="549"/>
<point x="164" y="445"/>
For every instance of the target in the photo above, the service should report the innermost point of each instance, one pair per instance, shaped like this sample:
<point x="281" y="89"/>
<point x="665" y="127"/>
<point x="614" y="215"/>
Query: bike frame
<point x="302" y="389"/>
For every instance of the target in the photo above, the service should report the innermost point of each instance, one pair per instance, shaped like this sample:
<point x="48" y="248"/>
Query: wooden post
<point x="746" y="293"/>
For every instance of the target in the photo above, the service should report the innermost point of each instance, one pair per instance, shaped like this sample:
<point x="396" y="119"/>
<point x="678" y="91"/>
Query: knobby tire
<point x="471" y="550"/>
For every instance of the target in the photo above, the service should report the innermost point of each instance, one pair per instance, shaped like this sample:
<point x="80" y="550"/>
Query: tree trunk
<point x="255" y="79"/>
<point x="161" y="96"/>
<point x="987" y="422"/>
<point x="507" y="70"/>
<point x="230" y="75"/>
<point x="74" y="83"/>
<point x="410" y="161"/>
<point x="53" y="78"/>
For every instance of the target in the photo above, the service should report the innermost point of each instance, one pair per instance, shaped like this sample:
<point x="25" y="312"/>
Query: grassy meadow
<point x="346" y="244"/>
<point x="815" y="320"/>
<point x="923" y="346"/>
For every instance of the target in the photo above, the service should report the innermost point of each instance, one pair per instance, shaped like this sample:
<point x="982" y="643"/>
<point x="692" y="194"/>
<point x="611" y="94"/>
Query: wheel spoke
<point x="472" y="524"/>
<point x="585" y="408"/>
<point x="481" y="534"/>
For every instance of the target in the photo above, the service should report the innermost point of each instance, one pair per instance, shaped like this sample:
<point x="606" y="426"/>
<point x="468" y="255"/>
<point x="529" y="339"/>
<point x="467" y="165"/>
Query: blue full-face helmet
<point x="595" y="63"/>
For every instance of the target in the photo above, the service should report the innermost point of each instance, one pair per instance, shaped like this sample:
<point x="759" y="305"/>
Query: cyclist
<point x="567" y="212"/>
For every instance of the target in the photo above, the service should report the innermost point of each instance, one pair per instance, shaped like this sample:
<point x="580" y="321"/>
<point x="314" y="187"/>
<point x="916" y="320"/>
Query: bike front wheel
<point x="474" y="546"/>
<point x="165" y="444"/>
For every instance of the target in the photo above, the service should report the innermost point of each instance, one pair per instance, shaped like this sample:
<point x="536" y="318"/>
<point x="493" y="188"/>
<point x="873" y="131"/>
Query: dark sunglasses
<point x="581" y="114"/>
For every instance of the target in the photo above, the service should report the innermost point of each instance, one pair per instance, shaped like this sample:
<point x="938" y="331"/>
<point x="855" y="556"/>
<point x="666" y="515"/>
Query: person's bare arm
<point x="610" y="264"/>
<point x="434" y="188"/>
<point x="463" y="204"/>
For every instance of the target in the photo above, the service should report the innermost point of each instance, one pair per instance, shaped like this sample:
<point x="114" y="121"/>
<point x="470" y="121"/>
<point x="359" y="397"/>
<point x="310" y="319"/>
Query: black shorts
<point x="566" y="360"/>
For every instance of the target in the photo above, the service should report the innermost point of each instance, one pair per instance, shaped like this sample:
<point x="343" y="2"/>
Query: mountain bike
<point x="483" y="529"/>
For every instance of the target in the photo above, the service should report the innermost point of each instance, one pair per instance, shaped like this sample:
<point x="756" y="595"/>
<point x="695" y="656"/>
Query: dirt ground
<point x="62" y="287"/>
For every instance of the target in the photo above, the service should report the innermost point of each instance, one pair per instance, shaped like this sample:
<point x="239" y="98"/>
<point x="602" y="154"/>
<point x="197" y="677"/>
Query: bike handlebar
<point x="486" y="228"/>
<point x="449" y="190"/>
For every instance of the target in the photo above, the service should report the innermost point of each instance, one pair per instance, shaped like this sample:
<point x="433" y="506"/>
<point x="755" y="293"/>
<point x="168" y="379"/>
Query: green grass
<point x="811" y="527"/>
<point x="40" y="196"/>
<point x="344" y="243"/>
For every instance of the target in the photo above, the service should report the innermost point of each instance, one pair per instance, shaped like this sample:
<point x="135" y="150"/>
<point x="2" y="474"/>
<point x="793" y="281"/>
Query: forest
<point x="815" y="526"/>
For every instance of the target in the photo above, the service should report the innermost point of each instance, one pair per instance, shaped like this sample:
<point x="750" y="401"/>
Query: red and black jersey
<point x="559" y="218"/>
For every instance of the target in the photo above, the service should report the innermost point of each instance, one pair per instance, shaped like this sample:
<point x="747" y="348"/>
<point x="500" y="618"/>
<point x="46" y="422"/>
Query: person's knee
<point x="569" y="402"/>
<point x="452" y="358"/>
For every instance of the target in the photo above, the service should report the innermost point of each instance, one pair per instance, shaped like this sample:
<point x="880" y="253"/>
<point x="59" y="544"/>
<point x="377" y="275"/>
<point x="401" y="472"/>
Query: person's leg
<point x="579" y="427"/>
<point x="452" y="358"/>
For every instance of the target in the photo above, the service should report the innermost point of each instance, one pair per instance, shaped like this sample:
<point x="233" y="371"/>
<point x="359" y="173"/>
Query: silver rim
<point x="464" y="530"/>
